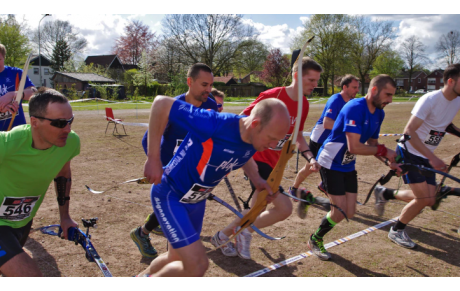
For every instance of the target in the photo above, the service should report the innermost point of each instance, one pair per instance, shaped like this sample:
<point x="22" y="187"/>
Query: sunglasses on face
<point x="59" y="123"/>
<point x="219" y="105"/>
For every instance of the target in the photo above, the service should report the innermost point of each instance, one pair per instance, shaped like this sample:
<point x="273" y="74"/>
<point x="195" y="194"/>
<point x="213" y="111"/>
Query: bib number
<point x="178" y="142"/>
<point x="196" y="194"/>
<point x="434" y="137"/>
<point x="281" y="143"/>
<point x="348" y="158"/>
<point x="17" y="208"/>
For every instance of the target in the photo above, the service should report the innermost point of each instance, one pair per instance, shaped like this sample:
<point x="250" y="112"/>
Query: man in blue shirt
<point x="350" y="87"/>
<point x="199" y="80"/>
<point x="355" y="132"/>
<point x="8" y="90"/>
<point x="216" y="144"/>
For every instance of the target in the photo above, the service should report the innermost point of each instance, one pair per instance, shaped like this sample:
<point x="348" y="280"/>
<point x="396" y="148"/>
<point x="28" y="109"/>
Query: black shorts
<point x="314" y="147"/>
<point x="337" y="183"/>
<point x="12" y="240"/>
<point x="264" y="171"/>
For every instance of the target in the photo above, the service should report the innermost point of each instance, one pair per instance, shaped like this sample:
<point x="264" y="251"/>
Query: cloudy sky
<point x="277" y="26"/>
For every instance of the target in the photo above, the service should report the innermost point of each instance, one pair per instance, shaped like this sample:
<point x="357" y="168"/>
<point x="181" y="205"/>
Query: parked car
<point x="420" y="91"/>
<point x="410" y="92"/>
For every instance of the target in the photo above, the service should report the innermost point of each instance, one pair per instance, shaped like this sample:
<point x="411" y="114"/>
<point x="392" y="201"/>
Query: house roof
<point x="405" y="74"/>
<point x="103" y="60"/>
<point x="440" y="75"/>
<point x="34" y="61"/>
<point x="223" y="79"/>
<point x="85" y="77"/>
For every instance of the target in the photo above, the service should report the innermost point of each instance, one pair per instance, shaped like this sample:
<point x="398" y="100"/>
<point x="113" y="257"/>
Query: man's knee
<point x="20" y="265"/>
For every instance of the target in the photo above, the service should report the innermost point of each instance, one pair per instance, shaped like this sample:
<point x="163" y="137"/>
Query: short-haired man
<point x="264" y="162"/>
<point x="431" y="118"/>
<point x="199" y="80"/>
<point x="217" y="143"/>
<point x="350" y="87"/>
<point x="219" y="96"/>
<point x="355" y="132"/>
<point x="34" y="153"/>
<point x="8" y="90"/>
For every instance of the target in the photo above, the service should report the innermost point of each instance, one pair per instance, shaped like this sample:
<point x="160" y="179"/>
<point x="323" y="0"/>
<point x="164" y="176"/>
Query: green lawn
<point x="229" y="101"/>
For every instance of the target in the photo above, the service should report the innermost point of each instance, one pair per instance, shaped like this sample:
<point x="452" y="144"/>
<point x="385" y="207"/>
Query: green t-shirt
<point x="26" y="173"/>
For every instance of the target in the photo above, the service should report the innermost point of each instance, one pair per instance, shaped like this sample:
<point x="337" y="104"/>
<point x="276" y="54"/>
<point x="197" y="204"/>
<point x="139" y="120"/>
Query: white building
<point x="34" y="73"/>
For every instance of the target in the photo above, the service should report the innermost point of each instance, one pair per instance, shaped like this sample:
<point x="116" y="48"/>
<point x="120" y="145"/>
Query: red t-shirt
<point x="271" y="156"/>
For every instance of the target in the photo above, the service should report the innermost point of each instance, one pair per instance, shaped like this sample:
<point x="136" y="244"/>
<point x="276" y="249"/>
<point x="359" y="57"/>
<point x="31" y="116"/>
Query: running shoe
<point x="143" y="243"/>
<point x="302" y="208"/>
<point x="441" y="195"/>
<point x="317" y="248"/>
<point x="243" y="244"/>
<point x="157" y="230"/>
<point x="401" y="238"/>
<point x="228" y="250"/>
<point x="293" y="193"/>
<point x="380" y="201"/>
<point x="324" y="202"/>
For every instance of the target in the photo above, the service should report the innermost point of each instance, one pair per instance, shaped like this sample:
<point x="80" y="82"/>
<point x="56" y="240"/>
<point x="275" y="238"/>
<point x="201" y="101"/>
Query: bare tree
<point x="371" y="39"/>
<point x="58" y="30"/>
<point x="169" y="61"/>
<point x="251" y="56"/>
<point x="331" y="45"/>
<point x="413" y="53"/>
<point x="449" y="47"/>
<point x="209" y="38"/>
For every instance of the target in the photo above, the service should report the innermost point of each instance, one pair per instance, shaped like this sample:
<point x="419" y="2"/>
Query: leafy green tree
<point x="330" y="48"/>
<point x="13" y="37"/>
<point x="61" y="54"/>
<point x="250" y="56"/>
<point x="389" y="62"/>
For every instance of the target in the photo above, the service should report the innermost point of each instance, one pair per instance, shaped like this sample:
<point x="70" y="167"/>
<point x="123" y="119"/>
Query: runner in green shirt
<point x="31" y="156"/>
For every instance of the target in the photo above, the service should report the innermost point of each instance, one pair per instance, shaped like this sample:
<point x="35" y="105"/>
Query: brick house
<point x="418" y="81"/>
<point x="112" y="63"/>
<point x="435" y="80"/>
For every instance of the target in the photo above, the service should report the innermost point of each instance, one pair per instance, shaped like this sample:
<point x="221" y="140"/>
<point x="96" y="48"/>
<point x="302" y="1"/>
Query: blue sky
<point x="276" y="30"/>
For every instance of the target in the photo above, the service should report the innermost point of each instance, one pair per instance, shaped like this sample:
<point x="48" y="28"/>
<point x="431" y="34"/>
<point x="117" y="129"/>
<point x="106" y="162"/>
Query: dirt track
<point x="106" y="160"/>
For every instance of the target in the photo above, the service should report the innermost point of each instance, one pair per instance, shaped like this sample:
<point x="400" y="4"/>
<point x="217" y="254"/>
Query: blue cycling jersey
<point x="354" y="117"/>
<point x="208" y="153"/>
<point x="331" y="110"/>
<point x="174" y="134"/>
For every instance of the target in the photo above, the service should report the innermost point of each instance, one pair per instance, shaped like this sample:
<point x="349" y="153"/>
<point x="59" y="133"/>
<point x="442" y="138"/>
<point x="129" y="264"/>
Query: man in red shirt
<point x="264" y="162"/>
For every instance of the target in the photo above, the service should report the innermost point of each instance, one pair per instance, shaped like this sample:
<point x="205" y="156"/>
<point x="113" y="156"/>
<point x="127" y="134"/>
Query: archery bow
<point x="274" y="180"/>
<point x="138" y="181"/>
<point x="79" y="237"/>
<point x="20" y="90"/>
<point x="237" y="213"/>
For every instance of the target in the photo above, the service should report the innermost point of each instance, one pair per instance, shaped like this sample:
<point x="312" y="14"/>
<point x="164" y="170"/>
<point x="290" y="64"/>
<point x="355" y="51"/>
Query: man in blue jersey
<point x="216" y="144"/>
<point x="8" y="90"/>
<point x="199" y="80"/>
<point x="355" y="132"/>
<point x="350" y="87"/>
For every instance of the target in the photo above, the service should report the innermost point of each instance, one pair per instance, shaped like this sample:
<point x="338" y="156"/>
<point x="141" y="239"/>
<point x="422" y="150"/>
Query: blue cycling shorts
<point x="181" y="223"/>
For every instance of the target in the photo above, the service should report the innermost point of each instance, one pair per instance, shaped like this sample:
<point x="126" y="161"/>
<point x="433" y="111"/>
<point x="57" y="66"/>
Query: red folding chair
<point x="111" y="119"/>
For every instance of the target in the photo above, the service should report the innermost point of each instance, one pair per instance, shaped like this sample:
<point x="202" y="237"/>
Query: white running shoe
<point x="229" y="249"/>
<point x="243" y="244"/>
<point x="380" y="201"/>
<point x="401" y="238"/>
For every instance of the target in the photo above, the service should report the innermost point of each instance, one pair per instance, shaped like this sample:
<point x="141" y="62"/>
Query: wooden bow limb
<point x="20" y="90"/>
<point x="274" y="181"/>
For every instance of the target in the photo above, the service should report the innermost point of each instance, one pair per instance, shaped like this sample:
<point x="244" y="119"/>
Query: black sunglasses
<point x="59" y="123"/>
<point x="219" y="105"/>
